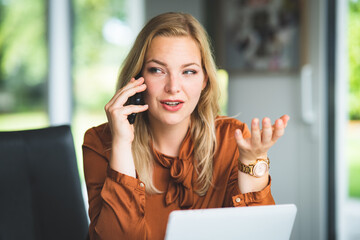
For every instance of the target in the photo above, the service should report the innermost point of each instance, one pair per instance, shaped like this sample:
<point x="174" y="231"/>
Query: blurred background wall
<point x="59" y="62"/>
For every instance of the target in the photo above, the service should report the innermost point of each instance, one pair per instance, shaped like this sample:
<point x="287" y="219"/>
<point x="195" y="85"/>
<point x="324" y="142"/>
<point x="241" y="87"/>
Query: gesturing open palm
<point x="261" y="140"/>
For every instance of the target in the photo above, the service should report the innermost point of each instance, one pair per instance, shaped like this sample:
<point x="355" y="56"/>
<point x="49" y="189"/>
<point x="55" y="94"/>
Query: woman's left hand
<point x="261" y="140"/>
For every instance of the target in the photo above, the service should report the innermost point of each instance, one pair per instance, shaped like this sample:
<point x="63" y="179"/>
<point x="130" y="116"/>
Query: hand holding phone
<point x="137" y="99"/>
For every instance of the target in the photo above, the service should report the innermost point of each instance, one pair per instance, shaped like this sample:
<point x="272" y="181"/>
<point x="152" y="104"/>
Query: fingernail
<point x="267" y="122"/>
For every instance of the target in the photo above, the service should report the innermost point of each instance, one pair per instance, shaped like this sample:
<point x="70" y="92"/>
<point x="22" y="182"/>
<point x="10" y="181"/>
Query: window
<point x="353" y="137"/>
<point x="102" y="36"/>
<point x="23" y="64"/>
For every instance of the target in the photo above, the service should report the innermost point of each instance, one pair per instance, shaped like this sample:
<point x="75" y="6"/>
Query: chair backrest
<point x="40" y="192"/>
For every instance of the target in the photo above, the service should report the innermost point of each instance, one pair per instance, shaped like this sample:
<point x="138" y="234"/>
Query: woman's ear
<point x="206" y="78"/>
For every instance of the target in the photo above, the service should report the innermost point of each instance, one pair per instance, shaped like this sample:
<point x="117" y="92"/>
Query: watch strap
<point x="246" y="168"/>
<point x="249" y="169"/>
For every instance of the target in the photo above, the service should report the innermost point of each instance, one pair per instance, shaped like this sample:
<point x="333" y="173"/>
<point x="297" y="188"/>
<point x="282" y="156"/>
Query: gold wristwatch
<point x="257" y="168"/>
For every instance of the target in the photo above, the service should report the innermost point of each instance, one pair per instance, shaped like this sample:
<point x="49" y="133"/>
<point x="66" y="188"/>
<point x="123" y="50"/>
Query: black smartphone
<point x="137" y="99"/>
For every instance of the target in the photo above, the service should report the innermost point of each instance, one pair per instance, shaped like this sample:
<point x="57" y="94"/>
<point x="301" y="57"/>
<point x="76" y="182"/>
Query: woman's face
<point x="174" y="78"/>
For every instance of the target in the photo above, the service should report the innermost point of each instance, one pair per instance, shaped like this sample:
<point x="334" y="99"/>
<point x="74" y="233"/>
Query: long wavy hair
<point x="203" y="117"/>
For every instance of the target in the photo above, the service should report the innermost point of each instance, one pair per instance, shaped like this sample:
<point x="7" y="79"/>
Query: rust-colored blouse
<point x="119" y="207"/>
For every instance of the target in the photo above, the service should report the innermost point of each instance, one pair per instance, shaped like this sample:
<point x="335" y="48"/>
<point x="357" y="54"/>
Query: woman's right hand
<point x="117" y="112"/>
<point x="122" y="131"/>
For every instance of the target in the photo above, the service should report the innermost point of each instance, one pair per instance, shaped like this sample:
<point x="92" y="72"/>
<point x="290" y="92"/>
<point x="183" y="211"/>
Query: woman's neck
<point x="168" y="138"/>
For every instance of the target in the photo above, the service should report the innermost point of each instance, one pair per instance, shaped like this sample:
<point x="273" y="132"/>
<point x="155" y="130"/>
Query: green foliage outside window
<point x="354" y="58"/>
<point x="353" y="137"/>
<point x="23" y="56"/>
<point x="96" y="60"/>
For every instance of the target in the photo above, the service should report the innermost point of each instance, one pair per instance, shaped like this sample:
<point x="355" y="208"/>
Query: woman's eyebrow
<point x="165" y="65"/>
<point x="157" y="61"/>
<point x="189" y="64"/>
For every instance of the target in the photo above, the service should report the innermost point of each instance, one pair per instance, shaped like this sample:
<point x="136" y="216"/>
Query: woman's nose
<point x="172" y="84"/>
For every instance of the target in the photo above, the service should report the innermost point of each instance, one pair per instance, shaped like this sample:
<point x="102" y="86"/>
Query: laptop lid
<point x="258" y="222"/>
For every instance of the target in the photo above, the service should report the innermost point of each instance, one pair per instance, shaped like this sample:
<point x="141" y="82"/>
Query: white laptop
<point x="259" y="222"/>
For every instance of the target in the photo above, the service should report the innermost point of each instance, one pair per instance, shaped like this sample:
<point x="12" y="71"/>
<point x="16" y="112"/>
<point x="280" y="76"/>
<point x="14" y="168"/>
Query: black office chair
<point x="40" y="193"/>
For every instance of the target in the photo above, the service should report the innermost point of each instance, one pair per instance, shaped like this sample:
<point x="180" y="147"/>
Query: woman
<point x="178" y="154"/>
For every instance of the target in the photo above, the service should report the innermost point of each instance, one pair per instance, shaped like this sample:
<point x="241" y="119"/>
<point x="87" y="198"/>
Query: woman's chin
<point x="170" y="120"/>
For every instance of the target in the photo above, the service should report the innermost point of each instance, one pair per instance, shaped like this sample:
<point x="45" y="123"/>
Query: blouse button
<point x="237" y="200"/>
<point x="142" y="185"/>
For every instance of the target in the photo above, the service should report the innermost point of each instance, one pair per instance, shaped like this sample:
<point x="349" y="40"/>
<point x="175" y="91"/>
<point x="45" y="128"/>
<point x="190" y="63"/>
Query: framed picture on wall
<point x="259" y="35"/>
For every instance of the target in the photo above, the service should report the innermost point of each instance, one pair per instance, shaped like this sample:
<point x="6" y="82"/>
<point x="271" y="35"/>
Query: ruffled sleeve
<point x="116" y="201"/>
<point x="262" y="197"/>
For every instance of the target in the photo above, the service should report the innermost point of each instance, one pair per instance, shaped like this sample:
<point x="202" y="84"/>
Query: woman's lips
<point x="172" y="105"/>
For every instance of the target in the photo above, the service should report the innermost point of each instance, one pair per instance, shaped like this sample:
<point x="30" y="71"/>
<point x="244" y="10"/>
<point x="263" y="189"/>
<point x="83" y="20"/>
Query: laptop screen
<point x="258" y="222"/>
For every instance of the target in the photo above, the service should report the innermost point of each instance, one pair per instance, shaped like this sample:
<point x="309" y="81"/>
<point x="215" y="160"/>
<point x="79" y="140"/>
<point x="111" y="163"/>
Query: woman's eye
<point x="155" y="70"/>
<point x="190" y="72"/>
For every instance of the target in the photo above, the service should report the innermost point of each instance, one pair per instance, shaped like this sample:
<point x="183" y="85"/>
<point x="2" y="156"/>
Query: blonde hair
<point x="203" y="117"/>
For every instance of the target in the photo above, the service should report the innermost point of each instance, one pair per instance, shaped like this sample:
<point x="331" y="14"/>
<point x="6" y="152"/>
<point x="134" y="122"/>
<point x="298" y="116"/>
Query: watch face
<point x="260" y="169"/>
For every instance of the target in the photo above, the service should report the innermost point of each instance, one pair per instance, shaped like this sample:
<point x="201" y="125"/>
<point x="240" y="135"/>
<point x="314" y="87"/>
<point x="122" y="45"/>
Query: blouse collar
<point x="181" y="172"/>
